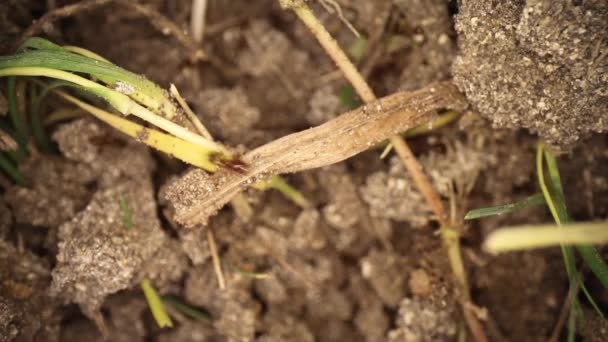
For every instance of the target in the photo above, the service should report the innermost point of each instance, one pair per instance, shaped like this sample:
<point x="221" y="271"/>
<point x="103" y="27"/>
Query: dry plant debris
<point x="197" y="195"/>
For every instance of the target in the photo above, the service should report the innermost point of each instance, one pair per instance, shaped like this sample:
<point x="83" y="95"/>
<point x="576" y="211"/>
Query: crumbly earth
<point x="541" y="65"/>
<point x="363" y="261"/>
<point x="27" y="311"/>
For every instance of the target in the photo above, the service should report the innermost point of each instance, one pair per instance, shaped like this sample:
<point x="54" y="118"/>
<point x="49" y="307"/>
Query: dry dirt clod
<point x="420" y="283"/>
<point x="344" y="209"/>
<point x="541" y="65"/>
<point x="383" y="271"/>
<point x="426" y="319"/>
<point x="228" y="114"/>
<point x="98" y="255"/>
<point x="58" y="191"/>
<point x="26" y="310"/>
<point x="432" y="50"/>
<point x="234" y="310"/>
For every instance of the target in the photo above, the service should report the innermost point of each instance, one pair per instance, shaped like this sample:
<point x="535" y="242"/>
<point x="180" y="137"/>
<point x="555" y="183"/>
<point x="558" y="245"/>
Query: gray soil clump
<point x="541" y="65"/>
<point x="26" y="310"/>
<point x="426" y="319"/>
<point x="99" y="254"/>
<point x="58" y="191"/>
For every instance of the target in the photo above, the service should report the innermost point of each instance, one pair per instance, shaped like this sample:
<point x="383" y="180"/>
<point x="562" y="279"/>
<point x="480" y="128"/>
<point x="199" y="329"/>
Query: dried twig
<point x="215" y="257"/>
<point x="198" y="195"/>
<point x="197" y="20"/>
<point x="564" y="311"/>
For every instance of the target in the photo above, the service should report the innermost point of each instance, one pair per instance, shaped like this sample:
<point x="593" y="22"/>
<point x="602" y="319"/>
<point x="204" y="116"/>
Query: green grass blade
<point x="555" y="198"/>
<point x="531" y="201"/>
<point x="119" y="101"/>
<point x="188" y="310"/>
<point x="538" y="236"/>
<point x="594" y="261"/>
<point x="425" y="128"/>
<point x="156" y="305"/>
<point x="38" y="43"/>
<point x="127" y="219"/>
<point x="40" y="136"/>
<point x="11" y="170"/>
<point x="135" y="86"/>
<point x="590" y="255"/>
<point x="17" y="119"/>
<point x="555" y="188"/>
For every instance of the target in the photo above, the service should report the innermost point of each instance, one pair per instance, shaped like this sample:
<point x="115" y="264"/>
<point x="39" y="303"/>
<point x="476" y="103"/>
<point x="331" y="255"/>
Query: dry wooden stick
<point x="215" y="257"/>
<point x="421" y="180"/>
<point x="198" y="195"/>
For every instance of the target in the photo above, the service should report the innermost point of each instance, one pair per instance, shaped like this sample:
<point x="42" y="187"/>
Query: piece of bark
<point x="197" y="195"/>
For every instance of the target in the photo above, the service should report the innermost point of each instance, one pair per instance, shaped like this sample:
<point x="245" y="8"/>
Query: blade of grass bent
<point x="567" y="251"/>
<point x="531" y="201"/>
<point x="122" y="103"/>
<point x="16" y="120"/>
<point x="10" y="169"/>
<point x="156" y="305"/>
<point x="188" y="310"/>
<point x="590" y="254"/>
<point x="181" y="149"/>
<point x="536" y="236"/>
<point x="50" y="55"/>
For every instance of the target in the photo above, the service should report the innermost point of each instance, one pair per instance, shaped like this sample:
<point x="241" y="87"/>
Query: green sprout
<point x="187" y="309"/>
<point x="156" y="305"/>
<point x="537" y="236"/>
<point x="11" y="170"/>
<point x="126" y="213"/>
<point x="531" y="201"/>
<point x="568" y="236"/>
<point x="126" y="92"/>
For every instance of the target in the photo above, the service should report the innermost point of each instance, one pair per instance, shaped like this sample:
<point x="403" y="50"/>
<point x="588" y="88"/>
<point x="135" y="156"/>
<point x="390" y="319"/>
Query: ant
<point x="236" y="165"/>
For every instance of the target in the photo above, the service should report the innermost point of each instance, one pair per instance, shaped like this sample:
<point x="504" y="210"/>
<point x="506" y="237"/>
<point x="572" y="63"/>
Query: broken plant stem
<point x="181" y="149"/>
<point x="217" y="264"/>
<point x="189" y="113"/>
<point x="538" y="236"/>
<point x="197" y="20"/>
<point x="411" y="163"/>
<point x="156" y="305"/>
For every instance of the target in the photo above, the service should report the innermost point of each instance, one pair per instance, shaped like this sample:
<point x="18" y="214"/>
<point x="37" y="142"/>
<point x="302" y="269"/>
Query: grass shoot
<point x="127" y="219"/>
<point x="528" y="202"/>
<point x="538" y="236"/>
<point x="156" y="305"/>
<point x="188" y="310"/>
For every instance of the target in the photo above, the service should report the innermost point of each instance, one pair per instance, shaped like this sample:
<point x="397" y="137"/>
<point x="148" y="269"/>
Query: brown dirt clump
<point x="27" y="311"/>
<point x="537" y="64"/>
<point x="57" y="192"/>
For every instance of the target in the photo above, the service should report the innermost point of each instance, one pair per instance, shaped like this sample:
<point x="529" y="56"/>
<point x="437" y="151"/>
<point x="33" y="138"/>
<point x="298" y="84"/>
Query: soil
<point x="362" y="262"/>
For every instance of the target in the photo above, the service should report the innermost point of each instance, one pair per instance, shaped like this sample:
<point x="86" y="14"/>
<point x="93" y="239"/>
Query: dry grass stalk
<point x="407" y="157"/>
<point x="197" y="195"/>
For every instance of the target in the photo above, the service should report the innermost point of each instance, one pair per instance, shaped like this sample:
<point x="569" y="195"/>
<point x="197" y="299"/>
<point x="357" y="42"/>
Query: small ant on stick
<point x="236" y="164"/>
